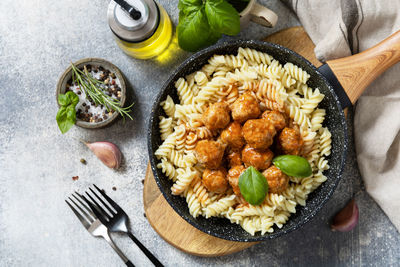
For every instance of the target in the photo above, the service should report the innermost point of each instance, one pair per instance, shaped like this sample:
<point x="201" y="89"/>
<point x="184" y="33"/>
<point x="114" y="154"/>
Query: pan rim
<point x="153" y="163"/>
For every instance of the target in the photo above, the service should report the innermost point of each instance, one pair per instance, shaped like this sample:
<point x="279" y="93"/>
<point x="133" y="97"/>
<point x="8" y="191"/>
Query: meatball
<point x="277" y="180"/>
<point x="258" y="158"/>
<point x="234" y="158"/>
<point x="244" y="108"/>
<point x="258" y="133"/>
<point x="233" y="178"/>
<point x="216" y="116"/>
<point x="290" y="141"/>
<point x="277" y="119"/>
<point x="215" y="180"/>
<point x="209" y="153"/>
<point x="232" y="135"/>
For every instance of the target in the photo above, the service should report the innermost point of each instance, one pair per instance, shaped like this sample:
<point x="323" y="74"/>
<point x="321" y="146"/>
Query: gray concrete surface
<point x="38" y="39"/>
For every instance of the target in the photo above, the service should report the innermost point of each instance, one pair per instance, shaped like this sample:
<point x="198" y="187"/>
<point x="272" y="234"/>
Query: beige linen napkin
<point x="345" y="27"/>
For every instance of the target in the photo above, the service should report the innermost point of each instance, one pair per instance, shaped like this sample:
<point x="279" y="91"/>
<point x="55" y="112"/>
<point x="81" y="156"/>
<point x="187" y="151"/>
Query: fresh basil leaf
<point x="71" y="113"/>
<point x="253" y="186"/>
<point x="73" y="98"/>
<point x="188" y="6"/>
<point x="193" y="30"/>
<point x="213" y="37"/>
<point x="63" y="100"/>
<point x="293" y="165"/>
<point x="222" y="17"/>
<point x="64" y="124"/>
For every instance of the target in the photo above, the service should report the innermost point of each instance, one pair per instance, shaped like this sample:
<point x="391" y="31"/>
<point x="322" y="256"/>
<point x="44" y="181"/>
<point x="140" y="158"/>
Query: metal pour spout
<point x="133" y="12"/>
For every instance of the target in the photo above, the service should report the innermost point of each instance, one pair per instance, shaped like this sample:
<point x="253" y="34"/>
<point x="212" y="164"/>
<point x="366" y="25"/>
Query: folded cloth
<point x="342" y="28"/>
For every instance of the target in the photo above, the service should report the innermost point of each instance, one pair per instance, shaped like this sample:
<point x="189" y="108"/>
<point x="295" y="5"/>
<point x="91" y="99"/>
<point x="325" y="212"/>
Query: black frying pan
<point x="353" y="74"/>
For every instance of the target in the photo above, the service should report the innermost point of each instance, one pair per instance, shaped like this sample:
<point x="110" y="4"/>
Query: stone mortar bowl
<point x="66" y="76"/>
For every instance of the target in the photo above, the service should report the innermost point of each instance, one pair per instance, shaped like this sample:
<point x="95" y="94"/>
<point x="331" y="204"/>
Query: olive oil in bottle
<point x="142" y="28"/>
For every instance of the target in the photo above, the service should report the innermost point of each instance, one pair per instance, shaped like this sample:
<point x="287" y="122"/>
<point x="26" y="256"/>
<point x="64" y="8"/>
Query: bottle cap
<point x="128" y="29"/>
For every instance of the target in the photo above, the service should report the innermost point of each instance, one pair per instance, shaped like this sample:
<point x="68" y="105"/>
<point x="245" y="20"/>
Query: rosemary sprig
<point x="93" y="89"/>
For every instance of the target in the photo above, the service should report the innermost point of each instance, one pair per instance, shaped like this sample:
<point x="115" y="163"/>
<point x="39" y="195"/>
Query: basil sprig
<point x="293" y="165"/>
<point x="253" y="186"/>
<point x="66" y="115"/>
<point x="202" y="22"/>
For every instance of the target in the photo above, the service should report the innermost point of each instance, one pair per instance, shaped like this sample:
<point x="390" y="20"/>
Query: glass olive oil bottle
<point x="144" y="33"/>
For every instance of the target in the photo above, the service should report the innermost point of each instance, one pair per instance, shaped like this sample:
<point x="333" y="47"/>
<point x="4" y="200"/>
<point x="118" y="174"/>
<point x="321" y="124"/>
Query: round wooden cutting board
<point x="167" y="223"/>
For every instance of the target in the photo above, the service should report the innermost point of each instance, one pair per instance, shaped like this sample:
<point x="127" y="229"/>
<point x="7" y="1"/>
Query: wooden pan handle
<point x="356" y="72"/>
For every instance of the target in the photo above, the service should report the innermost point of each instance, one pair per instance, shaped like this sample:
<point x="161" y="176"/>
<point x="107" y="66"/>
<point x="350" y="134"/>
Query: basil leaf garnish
<point x="193" y="30"/>
<point x="202" y="22"/>
<point x="293" y="165"/>
<point x="63" y="100"/>
<point x="66" y="115"/>
<point x="222" y="17"/>
<point x="188" y="6"/>
<point x="74" y="98"/>
<point x="253" y="186"/>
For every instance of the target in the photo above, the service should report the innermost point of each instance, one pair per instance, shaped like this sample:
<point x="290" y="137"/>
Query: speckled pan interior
<point x="334" y="120"/>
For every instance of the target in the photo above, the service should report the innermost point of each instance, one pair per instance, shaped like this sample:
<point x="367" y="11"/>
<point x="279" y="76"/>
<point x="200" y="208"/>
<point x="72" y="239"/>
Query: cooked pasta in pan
<point x="239" y="111"/>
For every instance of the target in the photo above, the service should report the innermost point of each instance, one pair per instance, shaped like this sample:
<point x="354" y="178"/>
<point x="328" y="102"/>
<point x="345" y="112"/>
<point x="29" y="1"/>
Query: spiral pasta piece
<point x="254" y="55"/>
<point x="184" y="91"/>
<point x="299" y="117"/>
<point x="166" y="126"/>
<point x="317" y="117"/>
<point x="201" y="192"/>
<point x="296" y="72"/>
<point x="281" y="217"/>
<point x="166" y="148"/>
<point x="200" y="78"/>
<point x="219" y="206"/>
<point x="208" y="92"/>
<point x="271" y="90"/>
<point x="325" y="141"/>
<point x="168" y="106"/>
<point x="180" y="137"/>
<point x="313" y="98"/>
<point x="168" y="169"/>
<point x="183" y="181"/>
<point x="193" y="203"/>
<point x="191" y="141"/>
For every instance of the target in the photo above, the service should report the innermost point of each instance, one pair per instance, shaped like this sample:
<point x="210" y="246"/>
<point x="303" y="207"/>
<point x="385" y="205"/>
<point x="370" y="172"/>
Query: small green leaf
<point x="71" y="113"/>
<point x="193" y="30"/>
<point x="64" y="123"/>
<point x="253" y="186"/>
<point x="293" y="165"/>
<point x="188" y="6"/>
<point x="222" y="17"/>
<point x="66" y="115"/>
<point x="63" y="100"/>
<point x="213" y="37"/>
<point x="74" y="98"/>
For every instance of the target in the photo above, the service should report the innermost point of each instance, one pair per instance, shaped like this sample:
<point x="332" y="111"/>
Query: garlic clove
<point x="107" y="152"/>
<point x="346" y="219"/>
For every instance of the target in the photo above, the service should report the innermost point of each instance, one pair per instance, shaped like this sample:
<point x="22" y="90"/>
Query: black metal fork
<point x="115" y="219"/>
